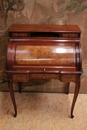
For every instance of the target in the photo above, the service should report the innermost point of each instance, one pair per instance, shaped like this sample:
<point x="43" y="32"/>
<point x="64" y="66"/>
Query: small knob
<point x="44" y="69"/>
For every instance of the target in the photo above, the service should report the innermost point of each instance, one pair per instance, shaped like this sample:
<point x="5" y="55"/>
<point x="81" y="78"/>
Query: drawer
<point x="26" y="77"/>
<point x="70" y="35"/>
<point x="44" y="76"/>
<point x="68" y="78"/>
<point x="20" y="77"/>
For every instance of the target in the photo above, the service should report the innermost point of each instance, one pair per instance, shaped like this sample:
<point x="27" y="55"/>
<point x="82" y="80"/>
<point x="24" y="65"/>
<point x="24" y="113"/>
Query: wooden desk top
<point x="43" y="28"/>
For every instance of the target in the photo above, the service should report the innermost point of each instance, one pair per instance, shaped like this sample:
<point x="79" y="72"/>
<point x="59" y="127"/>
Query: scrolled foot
<point x="15" y="115"/>
<point x="67" y="92"/>
<point x="72" y="116"/>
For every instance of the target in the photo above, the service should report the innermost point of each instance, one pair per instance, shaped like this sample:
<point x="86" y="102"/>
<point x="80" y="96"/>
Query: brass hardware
<point x="44" y="69"/>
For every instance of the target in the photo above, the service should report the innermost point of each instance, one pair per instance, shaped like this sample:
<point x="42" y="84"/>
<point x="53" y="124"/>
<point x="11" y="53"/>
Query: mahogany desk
<point x="44" y="52"/>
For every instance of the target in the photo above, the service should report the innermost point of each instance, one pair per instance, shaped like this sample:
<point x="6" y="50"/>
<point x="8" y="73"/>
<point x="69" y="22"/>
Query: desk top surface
<point x="43" y="28"/>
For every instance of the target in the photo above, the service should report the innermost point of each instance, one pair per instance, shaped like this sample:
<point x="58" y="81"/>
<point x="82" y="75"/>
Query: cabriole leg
<point x="77" y="88"/>
<point x="10" y="86"/>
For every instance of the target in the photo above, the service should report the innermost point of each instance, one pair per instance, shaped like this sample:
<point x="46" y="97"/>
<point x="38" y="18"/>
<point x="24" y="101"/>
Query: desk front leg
<point x="10" y="86"/>
<point x="77" y="88"/>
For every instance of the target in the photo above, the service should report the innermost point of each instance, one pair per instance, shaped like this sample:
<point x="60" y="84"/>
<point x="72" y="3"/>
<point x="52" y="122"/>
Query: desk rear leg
<point x="20" y="87"/>
<point x="67" y="88"/>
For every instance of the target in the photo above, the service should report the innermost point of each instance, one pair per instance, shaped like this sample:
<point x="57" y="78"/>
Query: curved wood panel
<point x="45" y="55"/>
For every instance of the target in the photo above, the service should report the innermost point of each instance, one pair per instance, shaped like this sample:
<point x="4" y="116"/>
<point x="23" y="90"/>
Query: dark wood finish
<point x="44" y="52"/>
<point x="20" y="86"/>
<point x="10" y="86"/>
<point x="67" y="88"/>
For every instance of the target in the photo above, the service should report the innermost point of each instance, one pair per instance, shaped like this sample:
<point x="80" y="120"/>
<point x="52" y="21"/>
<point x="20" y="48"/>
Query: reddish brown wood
<point x="44" y="28"/>
<point x="10" y="86"/>
<point x="77" y="88"/>
<point x="44" y="52"/>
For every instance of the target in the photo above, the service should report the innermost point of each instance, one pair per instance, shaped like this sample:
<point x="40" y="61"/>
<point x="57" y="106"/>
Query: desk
<point x="44" y="52"/>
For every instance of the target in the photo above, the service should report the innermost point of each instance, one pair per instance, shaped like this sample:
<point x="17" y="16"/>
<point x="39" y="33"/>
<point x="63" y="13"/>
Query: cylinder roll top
<point x="49" y="53"/>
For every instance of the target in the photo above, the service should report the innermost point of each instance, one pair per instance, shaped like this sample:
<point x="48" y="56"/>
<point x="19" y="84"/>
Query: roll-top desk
<point x="44" y="52"/>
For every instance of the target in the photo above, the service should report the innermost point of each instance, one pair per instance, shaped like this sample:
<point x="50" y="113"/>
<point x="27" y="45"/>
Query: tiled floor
<point x="43" y="111"/>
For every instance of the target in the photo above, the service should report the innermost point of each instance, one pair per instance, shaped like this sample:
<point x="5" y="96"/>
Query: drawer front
<point x="44" y="76"/>
<point x="68" y="78"/>
<point x="20" y="77"/>
<point x="26" y="77"/>
<point x="70" y="35"/>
